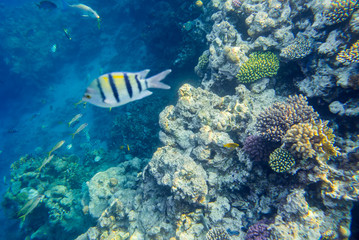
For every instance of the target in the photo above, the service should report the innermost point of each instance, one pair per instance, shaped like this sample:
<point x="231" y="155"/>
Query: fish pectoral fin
<point x="143" y="94"/>
<point x="108" y="101"/>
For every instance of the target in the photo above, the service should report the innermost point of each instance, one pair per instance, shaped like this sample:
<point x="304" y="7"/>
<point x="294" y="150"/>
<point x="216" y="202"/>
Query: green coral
<point x="281" y="160"/>
<point x="341" y="10"/>
<point x="259" y="65"/>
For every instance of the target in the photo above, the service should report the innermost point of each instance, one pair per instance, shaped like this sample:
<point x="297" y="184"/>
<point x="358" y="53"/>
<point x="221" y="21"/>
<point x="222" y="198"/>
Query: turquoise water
<point x="48" y="57"/>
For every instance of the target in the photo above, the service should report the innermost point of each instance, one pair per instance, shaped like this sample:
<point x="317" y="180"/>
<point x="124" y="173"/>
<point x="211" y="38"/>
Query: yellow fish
<point x="231" y="145"/>
<point x="119" y="88"/>
<point x="57" y="146"/>
<point x="74" y="119"/>
<point x="46" y="161"/>
<point x="82" y="127"/>
<point x="29" y="207"/>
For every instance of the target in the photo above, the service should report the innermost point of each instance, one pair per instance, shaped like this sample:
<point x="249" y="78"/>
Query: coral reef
<point x="257" y="148"/>
<point x="340" y="10"/>
<point x="300" y="48"/>
<point x="276" y="120"/>
<point x="350" y="55"/>
<point x="280" y="160"/>
<point x="259" y="65"/>
<point x="258" y="231"/>
<point x="217" y="234"/>
<point x="306" y="140"/>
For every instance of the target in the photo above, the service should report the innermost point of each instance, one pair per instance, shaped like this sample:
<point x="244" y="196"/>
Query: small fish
<point x="128" y="147"/>
<point x="46" y="161"/>
<point x="119" y="88"/>
<point x="57" y="146"/>
<point x="67" y="33"/>
<point x="85" y="10"/>
<point x="29" y="207"/>
<point x="231" y="145"/>
<point x="54" y="48"/>
<point x="74" y="119"/>
<point x="82" y="127"/>
<point x="47" y="5"/>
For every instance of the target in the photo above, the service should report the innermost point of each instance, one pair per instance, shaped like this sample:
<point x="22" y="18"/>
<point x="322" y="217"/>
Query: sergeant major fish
<point x="118" y="88"/>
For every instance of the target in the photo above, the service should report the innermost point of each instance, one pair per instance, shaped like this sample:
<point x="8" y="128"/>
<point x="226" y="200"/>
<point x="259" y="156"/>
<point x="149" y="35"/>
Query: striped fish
<point x="118" y="88"/>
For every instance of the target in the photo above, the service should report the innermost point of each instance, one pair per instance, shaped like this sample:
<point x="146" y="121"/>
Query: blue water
<point x="40" y="87"/>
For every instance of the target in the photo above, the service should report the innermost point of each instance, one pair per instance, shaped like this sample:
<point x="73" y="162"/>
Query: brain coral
<point x="259" y="65"/>
<point x="306" y="140"/>
<point x="280" y="160"/>
<point x="340" y="10"/>
<point x="350" y="55"/>
<point x="217" y="233"/>
<point x="275" y="121"/>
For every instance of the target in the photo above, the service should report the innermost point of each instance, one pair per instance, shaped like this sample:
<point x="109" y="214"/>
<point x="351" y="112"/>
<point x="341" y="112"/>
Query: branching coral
<point x="300" y="48"/>
<point x="257" y="148"/>
<point x="306" y="140"/>
<point x="276" y="120"/>
<point x="350" y="55"/>
<point x="217" y="233"/>
<point x="259" y="65"/>
<point x="280" y="160"/>
<point x="258" y="231"/>
<point x="340" y="10"/>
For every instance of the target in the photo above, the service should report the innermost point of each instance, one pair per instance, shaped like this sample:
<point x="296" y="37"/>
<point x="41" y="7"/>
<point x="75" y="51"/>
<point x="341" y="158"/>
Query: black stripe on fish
<point x="113" y="87"/>
<point x="138" y="84"/>
<point x="128" y="85"/>
<point x="101" y="90"/>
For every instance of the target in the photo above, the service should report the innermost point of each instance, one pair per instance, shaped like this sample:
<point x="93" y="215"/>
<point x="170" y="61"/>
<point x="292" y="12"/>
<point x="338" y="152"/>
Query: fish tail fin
<point x="22" y="218"/>
<point x="69" y="124"/>
<point x="73" y="135"/>
<point x="155" y="81"/>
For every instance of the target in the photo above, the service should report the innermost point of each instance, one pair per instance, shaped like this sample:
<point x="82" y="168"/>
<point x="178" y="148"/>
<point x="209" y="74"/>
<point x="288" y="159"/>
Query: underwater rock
<point x="100" y="190"/>
<point x="297" y="219"/>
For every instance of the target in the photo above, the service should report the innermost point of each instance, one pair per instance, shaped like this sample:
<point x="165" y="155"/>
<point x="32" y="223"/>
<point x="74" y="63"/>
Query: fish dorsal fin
<point x="143" y="73"/>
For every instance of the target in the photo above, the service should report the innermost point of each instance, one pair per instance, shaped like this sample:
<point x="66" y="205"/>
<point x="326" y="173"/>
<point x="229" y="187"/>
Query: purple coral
<point x="258" y="231"/>
<point x="257" y="148"/>
<point x="275" y="121"/>
<point x="236" y="3"/>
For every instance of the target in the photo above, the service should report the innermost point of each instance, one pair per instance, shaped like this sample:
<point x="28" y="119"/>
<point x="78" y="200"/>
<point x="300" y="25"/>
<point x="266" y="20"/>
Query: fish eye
<point x="87" y="96"/>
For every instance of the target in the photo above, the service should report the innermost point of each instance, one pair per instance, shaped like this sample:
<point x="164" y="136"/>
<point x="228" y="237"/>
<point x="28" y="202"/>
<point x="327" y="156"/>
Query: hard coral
<point x="306" y="140"/>
<point x="340" y="10"/>
<point x="281" y="160"/>
<point x="217" y="233"/>
<point x="350" y="55"/>
<point x="258" y="231"/>
<point x="276" y="120"/>
<point x="300" y="48"/>
<point x="257" y="148"/>
<point x="259" y="65"/>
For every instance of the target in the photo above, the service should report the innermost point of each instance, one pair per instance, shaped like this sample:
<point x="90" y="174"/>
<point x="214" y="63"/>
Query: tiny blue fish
<point x="118" y="88"/>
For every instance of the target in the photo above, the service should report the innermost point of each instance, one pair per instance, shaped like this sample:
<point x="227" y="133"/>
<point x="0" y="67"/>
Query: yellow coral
<point x="307" y="140"/>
